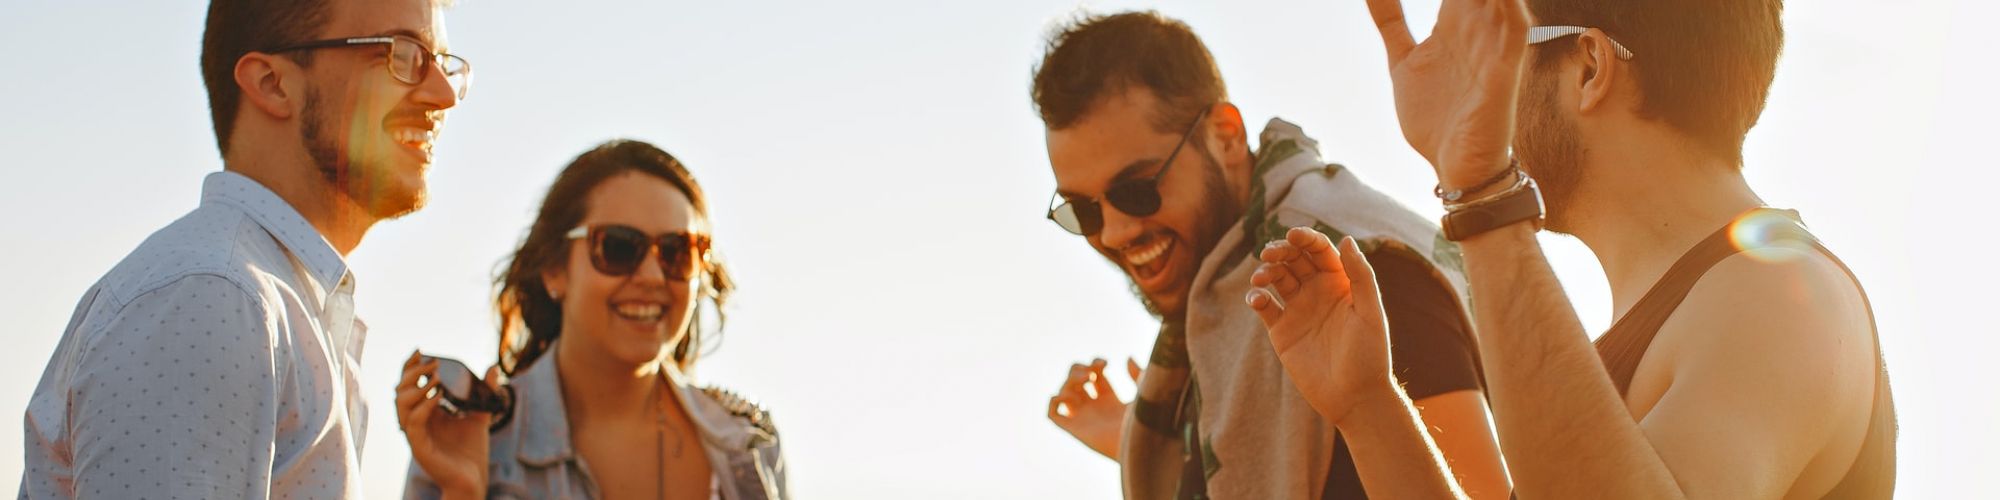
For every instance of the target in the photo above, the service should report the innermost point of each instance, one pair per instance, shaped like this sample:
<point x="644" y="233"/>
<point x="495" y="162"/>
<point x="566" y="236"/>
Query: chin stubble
<point x="338" y="169"/>
<point x="1215" y="215"/>
<point x="1549" y="149"/>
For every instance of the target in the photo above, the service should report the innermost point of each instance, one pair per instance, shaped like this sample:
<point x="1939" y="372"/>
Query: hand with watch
<point x="1474" y="211"/>
<point x="1455" y="99"/>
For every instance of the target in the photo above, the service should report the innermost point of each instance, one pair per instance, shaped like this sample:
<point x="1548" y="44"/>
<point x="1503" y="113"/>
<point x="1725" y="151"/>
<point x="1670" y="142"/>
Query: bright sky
<point x="878" y="178"/>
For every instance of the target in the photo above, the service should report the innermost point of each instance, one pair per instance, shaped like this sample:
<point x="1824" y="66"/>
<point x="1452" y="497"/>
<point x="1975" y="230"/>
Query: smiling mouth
<point x="415" y="139"/>
<point x="1148" y="261"/>
<point x="640" y="312"/>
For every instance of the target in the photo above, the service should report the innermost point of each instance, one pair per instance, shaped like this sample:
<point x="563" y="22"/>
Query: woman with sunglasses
<point x="599" y="335"/>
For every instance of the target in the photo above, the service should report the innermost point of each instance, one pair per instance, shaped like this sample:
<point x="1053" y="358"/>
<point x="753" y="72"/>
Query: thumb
<point x="1132" y="365"/>
<point x="495" y="378"/>
<point x="1361" y="275"/>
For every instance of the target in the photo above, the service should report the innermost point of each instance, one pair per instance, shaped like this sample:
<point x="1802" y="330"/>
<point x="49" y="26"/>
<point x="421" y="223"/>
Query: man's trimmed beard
<point x="1217" y="211"/>
<point x="1548" y="148"/>
<point x="365" y="182"/>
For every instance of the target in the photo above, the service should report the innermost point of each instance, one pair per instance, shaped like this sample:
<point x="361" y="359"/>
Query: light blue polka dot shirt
<point x="219" y="360"/>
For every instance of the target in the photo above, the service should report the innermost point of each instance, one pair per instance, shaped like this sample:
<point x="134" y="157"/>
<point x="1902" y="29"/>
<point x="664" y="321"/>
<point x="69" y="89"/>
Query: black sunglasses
<point x="619" y="250"/>
<point x="1135" y="197"/>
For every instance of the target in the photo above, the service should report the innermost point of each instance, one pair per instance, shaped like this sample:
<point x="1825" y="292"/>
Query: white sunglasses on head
<point x="1539" y="34"/>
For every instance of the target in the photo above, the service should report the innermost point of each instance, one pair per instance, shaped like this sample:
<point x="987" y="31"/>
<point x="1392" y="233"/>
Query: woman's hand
<point x="451" y="449"/>
<point x="1325" y="321"/>
<point x="1088" y="409"/>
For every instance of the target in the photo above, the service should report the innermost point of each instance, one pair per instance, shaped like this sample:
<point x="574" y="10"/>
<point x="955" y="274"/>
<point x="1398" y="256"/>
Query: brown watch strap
<point x="1475" y="219"/>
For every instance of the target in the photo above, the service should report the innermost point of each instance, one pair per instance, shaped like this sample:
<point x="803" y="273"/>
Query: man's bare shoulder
<point x="1779" y="344"/>
<point x="1790" y="321"/>
<point x="1786" y="298"/>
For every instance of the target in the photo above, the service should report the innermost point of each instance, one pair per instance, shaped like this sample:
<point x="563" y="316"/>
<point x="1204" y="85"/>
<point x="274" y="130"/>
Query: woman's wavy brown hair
<point x="531" y="320"/>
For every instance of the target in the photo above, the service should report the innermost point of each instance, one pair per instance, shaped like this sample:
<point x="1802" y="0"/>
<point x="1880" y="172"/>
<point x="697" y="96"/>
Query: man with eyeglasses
<point x="1743" y="362"/>
<point x="1154" y="168"/>
<point x="221" y="358"/>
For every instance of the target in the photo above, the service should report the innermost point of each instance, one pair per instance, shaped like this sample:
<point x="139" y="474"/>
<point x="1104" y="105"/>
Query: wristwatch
<point x="1520" y="202"/>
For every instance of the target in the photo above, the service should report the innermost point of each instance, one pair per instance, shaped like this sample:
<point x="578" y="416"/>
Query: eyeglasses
<point x="409" y="59"/>
<point x="1135" y="197"/>
<point x="1539" y="34"/>
<point x="619" y="250"/>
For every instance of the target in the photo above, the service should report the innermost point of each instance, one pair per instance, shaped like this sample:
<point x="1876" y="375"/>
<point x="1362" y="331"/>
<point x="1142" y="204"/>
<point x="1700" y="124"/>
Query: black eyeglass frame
<point x="433" y="58"/>
<point x="1087" y="215"/>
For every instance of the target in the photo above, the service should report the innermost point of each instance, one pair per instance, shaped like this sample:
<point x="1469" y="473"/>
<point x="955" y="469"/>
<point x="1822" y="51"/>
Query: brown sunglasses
<point x="619" y="250"/>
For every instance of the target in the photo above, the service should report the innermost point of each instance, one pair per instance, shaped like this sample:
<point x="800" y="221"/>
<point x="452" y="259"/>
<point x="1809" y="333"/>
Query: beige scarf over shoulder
<point x="1258" y="437"/>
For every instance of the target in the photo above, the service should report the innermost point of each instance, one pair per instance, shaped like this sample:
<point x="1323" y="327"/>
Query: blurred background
<point x="878" y="178"/>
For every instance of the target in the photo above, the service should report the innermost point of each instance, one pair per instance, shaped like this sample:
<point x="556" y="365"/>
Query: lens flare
<point x="1769" y="236"/>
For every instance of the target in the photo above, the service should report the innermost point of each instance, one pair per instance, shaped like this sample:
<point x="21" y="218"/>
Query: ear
<point x="270" y="84"/>
<point x="1601" y="70"/>
<point x="1227" y="137"/>
<point x="555" y="282"/>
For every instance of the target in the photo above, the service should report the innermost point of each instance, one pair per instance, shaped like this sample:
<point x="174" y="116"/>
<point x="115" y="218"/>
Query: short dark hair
<point x="531" y="320"/>
<point x="1096" y="56"/>
<point x="1704" y="67"/>
<point x="239" y="27"/>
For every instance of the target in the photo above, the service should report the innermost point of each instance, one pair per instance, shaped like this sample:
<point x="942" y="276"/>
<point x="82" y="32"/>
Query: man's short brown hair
<point x="1097" y="56"/>
<point x="239" y="27"/>
<point x="1704" y="67"/>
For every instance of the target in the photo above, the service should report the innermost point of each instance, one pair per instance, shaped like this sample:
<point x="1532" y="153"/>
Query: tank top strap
<point x="1626" y="342"/>
<point x="1873" y="473"/>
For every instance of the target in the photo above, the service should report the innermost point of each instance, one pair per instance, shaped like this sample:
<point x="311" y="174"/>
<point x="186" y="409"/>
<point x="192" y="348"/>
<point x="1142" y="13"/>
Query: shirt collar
<point x="715" y="423"/>
<point x="284" y="223"/>
<point x="544" y="419"/>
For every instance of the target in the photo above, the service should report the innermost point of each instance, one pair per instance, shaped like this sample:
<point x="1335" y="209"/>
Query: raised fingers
<point x="418" y="424"/>
<point x="1072" y="386"/>
<point x="409" y="400"/>
<point x="414" y="371"/>
<point x="1281" y="252"/>
<point x="409" y="392"/>
<point x="1388" y="15"/>
<point x="1098" y="382"/>
<point x="1315" y="248"/>
<point x="1278" y="277"/>
<point x="1361" y="275"/>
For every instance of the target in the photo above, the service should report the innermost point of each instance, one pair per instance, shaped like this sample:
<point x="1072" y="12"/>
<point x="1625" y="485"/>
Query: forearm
<point x="420" y="487"/>
<point x="1563" y="428"/>
<point x="464" y="494"/>
<point x="1393" y="455"/>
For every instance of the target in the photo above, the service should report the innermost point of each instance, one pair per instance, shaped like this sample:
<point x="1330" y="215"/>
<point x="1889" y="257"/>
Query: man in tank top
<point x="1744" y="361"/>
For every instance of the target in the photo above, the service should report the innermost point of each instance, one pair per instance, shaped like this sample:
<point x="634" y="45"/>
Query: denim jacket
<point x="531" y="456"/>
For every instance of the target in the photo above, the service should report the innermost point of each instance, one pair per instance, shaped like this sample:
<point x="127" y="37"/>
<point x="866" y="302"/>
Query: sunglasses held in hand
<point x="465" y="392"/>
